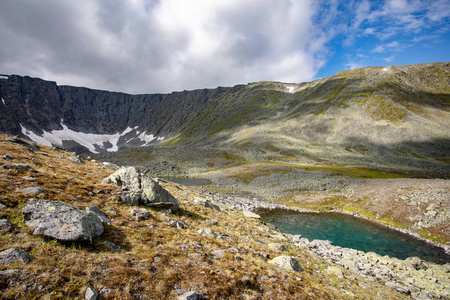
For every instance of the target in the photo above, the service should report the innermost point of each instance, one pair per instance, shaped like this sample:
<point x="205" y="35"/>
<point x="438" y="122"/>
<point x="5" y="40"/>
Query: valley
<point x="372" y="143"/>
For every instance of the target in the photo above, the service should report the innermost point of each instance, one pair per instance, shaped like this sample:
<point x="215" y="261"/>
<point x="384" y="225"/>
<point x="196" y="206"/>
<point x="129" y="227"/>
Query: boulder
<point x="139" y="189"/>
<point x="14" y="255"/>
<point x="61" y="221"/>
<point x="286" y="262"/>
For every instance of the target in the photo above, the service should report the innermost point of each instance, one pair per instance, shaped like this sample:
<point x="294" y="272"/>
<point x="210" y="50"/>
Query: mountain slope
<point x="388" y="117"/>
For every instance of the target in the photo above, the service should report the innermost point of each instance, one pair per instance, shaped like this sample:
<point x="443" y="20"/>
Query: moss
<point x="320" y="112"/>
<point x="381" y="109"/>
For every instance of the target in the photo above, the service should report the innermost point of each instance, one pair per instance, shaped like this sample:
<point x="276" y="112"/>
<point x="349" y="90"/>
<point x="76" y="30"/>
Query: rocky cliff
<point x="377" y="115"/>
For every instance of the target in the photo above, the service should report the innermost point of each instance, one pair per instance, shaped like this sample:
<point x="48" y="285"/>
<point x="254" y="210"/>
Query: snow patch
<point x="89" y="140"/>
<point x="4" y="77"/>
<point x="290" y="88"/>
<point x="385" y="69"/>
<point x="3" y="101"/>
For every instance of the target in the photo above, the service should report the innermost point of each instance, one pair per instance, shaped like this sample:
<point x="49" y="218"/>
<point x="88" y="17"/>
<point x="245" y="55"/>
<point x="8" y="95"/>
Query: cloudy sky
<point x="149" y="46"/>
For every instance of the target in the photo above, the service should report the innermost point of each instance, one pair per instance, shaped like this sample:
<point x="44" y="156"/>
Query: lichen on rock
<point x="139" y="189"/>
<point x="61" y="221"/>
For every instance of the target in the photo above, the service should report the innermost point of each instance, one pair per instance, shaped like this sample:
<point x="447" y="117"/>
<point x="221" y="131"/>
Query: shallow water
<point x="189" y="181"/>
<point x="349" y="232"/>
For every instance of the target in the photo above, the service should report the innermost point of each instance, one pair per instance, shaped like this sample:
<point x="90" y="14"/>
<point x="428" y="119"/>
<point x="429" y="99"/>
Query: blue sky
<point x="378" y="33"/>
<point x="150" y="46"/>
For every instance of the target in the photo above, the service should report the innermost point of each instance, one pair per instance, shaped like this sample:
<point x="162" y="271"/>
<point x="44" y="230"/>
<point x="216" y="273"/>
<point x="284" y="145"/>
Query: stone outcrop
<point x="61" y="221"/>
<point x="139" y="189"/>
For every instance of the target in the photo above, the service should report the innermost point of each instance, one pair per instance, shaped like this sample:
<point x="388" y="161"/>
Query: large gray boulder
<point x="139" y="189"/>
<point x="61" y="221"/>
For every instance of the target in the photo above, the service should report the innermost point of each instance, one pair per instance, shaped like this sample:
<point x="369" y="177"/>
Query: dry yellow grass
<point x="156" y="261"/>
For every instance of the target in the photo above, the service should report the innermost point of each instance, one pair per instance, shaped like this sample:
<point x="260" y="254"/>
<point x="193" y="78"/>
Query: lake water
<point x="349" y="232"/>
<point x="189" y="181"/>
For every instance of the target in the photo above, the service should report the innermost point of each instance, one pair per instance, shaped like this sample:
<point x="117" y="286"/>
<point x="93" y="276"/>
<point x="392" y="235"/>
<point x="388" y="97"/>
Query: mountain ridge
<point x="375" y="114"/>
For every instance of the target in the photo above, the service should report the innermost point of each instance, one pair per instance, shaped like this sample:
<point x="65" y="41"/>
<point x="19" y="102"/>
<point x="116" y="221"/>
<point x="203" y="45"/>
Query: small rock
<point x="96" y="211"/>
<point x="206" y="203"/>
<point x="177" y="224"/>
<point x="192" y="295"/>
<point x="6" y="226"/>
<point x="398" y="287"/>
<point x="76" y="160"/>
<point x="207" y="232"/>
<point x="232" y="250"/>
<point x="286" y="262"/>
<point x="140" y="214"/>
<point x="212" y="222"/>
<point x="218" y="253"/>
<point x="109" y="165"/>
<point x="105" y="291"/>
<point x="111" y="246"/>
<point x="335" y="270"/>
<point x="3" y="206"/>
<point x="27" y="287"/>
<point x="19" y="167"/>
<point x="6" y="157"/>
<point x="250" y="214"/>
<point x="18" y="140"/>
<point x="278" y="246"/>
<point x="90" y="294"/>
<point x="13" y="255"/>
<point x="33" y="190"/>
<point x="7" y="274"/>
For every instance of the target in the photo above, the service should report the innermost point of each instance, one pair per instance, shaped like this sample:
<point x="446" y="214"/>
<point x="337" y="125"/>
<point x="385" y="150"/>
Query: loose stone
<point x="286" y="262"/>
<point x="13" y="255"/>
<point x="33" y="190"/>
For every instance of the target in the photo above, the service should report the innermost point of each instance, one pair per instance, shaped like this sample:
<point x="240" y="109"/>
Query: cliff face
<point x="388" y="113"/>
<point x="41" y="107"/>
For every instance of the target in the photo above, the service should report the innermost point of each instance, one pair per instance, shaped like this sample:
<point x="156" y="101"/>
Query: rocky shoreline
<point x="414" y="277"/>
<point x="255" y="205"/>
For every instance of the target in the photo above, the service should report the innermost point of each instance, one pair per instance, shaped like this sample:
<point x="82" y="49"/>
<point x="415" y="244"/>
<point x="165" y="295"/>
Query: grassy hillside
<point x="155" y="261"/>
<point x="394" y="116"/>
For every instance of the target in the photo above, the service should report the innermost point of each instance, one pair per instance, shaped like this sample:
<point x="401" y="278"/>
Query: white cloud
<point x="354" y="65"/>
<point x="160" y="46"/>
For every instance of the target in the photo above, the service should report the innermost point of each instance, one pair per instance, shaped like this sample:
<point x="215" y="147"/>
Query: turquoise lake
<point x="349" y="232"/>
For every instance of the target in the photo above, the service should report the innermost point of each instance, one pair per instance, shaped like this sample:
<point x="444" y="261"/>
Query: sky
<point x="160" y="46"/>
